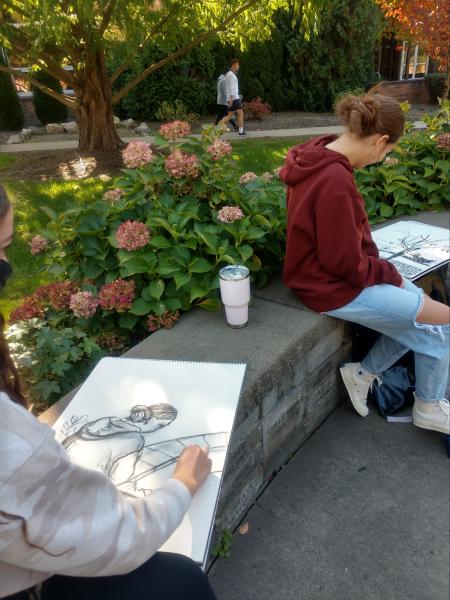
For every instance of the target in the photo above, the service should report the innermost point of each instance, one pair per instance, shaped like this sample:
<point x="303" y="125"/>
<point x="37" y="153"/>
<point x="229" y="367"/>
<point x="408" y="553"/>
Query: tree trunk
<point x="95" y="112"/>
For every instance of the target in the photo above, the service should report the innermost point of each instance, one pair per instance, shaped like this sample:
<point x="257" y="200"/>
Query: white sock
<point x="241" y="130"/>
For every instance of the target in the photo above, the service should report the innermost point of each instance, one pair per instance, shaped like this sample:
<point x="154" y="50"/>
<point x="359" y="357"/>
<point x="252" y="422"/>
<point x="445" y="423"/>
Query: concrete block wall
<point x="291" y="383"/>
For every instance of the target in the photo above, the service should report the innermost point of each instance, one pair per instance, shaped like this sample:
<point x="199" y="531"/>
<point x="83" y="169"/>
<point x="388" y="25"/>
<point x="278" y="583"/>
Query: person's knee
<point x="433" y="313"/>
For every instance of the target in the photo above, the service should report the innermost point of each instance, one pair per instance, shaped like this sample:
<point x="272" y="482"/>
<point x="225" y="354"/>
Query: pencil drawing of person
<point x="118" y="442"/>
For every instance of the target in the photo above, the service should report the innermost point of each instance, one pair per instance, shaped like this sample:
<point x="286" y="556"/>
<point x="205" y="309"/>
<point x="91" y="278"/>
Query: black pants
<point x="222" y="111"/>
<point x="164" y="577"/>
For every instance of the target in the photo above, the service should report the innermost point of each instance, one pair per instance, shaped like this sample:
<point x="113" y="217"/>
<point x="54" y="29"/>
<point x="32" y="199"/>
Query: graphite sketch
<point x="122" y="447"/>
<point x="412" y="247"/>
<point x="132" y="418"/>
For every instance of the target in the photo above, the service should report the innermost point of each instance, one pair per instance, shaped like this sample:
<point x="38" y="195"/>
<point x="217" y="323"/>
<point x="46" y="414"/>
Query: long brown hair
<point x="10" y="381"/>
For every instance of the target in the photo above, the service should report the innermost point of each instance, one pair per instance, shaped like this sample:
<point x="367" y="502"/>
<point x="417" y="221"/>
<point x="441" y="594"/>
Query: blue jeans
<point x="393" y="311"/>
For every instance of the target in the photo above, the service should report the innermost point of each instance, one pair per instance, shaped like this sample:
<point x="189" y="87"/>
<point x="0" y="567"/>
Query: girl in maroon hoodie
<point x="333" y="264"/>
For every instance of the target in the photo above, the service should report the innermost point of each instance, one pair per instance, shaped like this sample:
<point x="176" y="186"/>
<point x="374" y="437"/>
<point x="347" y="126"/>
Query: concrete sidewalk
<point x="274" y="133"/>
<point x="361" y="512"/>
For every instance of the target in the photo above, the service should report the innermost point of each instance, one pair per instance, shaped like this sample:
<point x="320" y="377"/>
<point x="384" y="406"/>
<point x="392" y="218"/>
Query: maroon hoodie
<point x="330" y="254"/>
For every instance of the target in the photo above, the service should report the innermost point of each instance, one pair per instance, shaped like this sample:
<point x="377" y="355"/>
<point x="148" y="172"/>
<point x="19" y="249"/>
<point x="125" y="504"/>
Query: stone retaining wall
<point x="291" y="384"/>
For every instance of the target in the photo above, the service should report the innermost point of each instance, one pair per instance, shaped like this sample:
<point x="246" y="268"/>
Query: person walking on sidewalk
<point x="234" y="100"/>
<point x="333" y="264"/>
<point x="222" y="101"/>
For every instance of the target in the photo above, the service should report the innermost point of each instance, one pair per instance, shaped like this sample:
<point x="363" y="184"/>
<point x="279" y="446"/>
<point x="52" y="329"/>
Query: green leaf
<point x="128" y="321"/>
<point x="200" y="265"/>
<point x="386" y="210"/>
<point x="172" y="304"/>
<point x="93" y="269"/>
<point x="198" y="292"/>
<point x="156" y="288"/>
<point x="160" y="242"/>
<point x="246" y="251"/>
<point x="181" y="279"/>
<point x="210" y="304"/>
<point x="141" y="307"/>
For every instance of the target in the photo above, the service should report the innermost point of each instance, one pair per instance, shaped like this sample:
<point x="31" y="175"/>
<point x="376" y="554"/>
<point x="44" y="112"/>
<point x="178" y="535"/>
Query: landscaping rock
<point x="70" y="127"/>
<point x="143" y="128"/>
<point x="54" y="128"/>
<point x="16" y="139"/>
<point x="116" y="121"/>
<point x="129" y="123"/>
<point x="36" y="130"/>
<point x="26" y="133"/>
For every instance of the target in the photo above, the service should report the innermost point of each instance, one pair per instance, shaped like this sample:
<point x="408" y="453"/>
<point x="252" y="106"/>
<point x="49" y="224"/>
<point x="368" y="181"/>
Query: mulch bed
<point x="63" y="164"/>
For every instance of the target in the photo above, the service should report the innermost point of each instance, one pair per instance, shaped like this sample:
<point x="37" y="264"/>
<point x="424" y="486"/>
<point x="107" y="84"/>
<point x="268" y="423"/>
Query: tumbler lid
<point x="234" y="273"/>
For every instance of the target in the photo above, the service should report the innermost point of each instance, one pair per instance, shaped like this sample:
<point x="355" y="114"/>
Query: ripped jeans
<point x="393" y="311"/>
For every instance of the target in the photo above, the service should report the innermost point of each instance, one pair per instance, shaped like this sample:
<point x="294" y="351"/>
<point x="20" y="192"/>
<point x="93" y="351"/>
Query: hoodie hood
<point x="307" y="159"/>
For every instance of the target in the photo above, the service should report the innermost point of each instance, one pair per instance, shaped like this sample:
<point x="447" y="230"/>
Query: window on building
<point x="413" y="63"/>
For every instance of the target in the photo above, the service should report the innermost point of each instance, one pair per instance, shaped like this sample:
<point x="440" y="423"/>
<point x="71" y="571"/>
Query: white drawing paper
<point x="132" y="418"/>
<point x="414" y="248"/>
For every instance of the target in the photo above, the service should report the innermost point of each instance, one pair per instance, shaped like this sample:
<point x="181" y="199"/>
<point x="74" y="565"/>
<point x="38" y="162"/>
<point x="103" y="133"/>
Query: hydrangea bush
<point x="416" y="175"/>
<point x="152" y="246"/>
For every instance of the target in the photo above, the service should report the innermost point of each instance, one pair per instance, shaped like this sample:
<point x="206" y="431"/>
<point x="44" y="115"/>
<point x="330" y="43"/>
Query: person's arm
<point x="339" y="241"/>
<point x="230" y="87"/>
<point x="73" y="521"/>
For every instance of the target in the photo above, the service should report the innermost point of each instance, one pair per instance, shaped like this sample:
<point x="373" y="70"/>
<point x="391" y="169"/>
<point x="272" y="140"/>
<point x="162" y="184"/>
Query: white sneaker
<point x="432" y="415"/>
<point x="358" y="381"/>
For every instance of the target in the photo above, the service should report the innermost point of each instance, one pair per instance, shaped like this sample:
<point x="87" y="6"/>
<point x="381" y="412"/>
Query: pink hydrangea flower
<point x="167" y="319"/>
<point x="137" y="154"/>
<point x="229" y="214"/>
<point x="83" y="304"/>
<point x="219" y="148"/>
<point x="113" y="195"/>
<point x="179" y="164"/>
<point x="117" y="295"/>
<point x="174" y="130"/>
<point x="59" y="294"/>
<point x="267" y="176"/>
<point x="247" y="178"/>
<point x="38" y="244"/>
<point x="132" y="235"/>
<point x="443" y="141"/>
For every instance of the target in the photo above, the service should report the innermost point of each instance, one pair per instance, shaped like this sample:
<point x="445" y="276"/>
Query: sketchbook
<point x="414" y="248"/>
<point x="132" y="418"/>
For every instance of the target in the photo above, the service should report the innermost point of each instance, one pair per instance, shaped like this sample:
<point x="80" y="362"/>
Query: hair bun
<point x="360" y="114"/>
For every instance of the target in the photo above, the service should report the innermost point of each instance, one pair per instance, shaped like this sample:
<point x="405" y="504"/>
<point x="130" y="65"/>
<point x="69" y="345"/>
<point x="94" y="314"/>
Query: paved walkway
<point x="274" y="133"/>
<point x="361" y="512"/>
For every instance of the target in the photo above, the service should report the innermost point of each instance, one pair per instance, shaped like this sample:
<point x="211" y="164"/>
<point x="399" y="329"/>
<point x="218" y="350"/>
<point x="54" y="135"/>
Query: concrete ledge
<point x="291" y="384"/>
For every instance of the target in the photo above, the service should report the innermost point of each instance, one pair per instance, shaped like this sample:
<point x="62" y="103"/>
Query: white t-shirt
<point x="232" y="86"/>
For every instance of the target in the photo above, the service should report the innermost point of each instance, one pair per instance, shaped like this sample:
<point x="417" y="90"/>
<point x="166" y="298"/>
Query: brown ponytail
<point x="10" y="382"/>
<point x="370" y="114"/>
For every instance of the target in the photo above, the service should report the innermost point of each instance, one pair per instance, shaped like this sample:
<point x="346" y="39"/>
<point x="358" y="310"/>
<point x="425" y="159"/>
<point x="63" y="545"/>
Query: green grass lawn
<point x="28" y="197"/>
<point x="261" y="155"/>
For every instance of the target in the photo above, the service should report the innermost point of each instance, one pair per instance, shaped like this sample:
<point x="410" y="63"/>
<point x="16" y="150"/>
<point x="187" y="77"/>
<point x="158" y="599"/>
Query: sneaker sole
<point x="361" y="412"/>
<point x="429" y="426"/>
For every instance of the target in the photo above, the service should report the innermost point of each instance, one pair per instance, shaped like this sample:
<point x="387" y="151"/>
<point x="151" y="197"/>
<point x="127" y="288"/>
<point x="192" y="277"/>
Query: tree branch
<point x="107" y="17"/>
<point x="124" y="66"/>
<point x="182" y="51"/>
<point x="70" y="102"/>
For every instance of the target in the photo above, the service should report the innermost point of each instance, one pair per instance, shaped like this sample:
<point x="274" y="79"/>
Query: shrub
<point x="53" y="360"/>
<point x="48" y="110"/>
<point x="416" y="176"/>
<point x="256" y="109"/>
<point x="11" y="115"/>
<point x="131" y="264"/>
<point x="175" y="111"/>
<point x="435" y="83"/>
